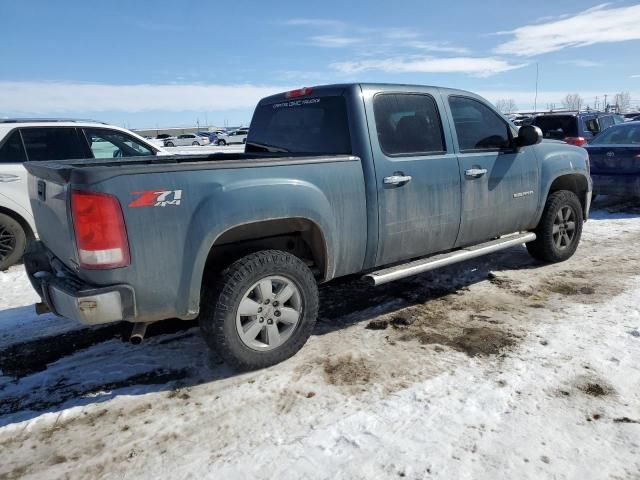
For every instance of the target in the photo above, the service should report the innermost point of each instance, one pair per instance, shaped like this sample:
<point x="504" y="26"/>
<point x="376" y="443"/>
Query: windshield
<point x="557" y="127"/>
<point x="622" y="135"/>
<point x="308" y="125"/>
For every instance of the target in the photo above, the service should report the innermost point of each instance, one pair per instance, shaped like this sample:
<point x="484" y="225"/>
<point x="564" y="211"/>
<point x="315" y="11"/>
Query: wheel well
<point x="298" y="236"/>
<point x="18" y="218"/>
<point x="573" y="182"/>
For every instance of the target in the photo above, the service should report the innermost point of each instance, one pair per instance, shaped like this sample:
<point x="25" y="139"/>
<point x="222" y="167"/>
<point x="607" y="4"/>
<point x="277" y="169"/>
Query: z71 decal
<point x="156" y="198"/>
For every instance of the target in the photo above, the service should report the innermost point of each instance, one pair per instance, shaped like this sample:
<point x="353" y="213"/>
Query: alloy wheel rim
<point x="564" y="227"/>
<point x="7" y="242"/>
<point x="268" y="313"/>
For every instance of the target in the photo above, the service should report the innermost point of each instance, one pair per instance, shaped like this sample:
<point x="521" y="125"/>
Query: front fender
<point x="249" y="201"/>
<point x="557" y="160"/>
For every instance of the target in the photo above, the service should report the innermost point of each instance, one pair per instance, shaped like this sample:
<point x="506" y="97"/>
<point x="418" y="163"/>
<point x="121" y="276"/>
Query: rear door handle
<point x="475" y="172"/>
<point x="6" y="178"/>
<point x="397" y="179"/>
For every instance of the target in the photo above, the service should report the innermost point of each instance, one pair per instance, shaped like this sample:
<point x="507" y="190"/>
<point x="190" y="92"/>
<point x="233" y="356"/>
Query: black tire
<point x="169" y="144"/>
<point x="220" y="304"/>
<point x="548" y="247"/>
<point x="221" y="143"/>
<point x="13" y="241"/>
<point x="195" y="144"/>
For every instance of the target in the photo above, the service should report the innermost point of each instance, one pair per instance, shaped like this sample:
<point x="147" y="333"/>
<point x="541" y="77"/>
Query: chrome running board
<point x="415" y="267"/>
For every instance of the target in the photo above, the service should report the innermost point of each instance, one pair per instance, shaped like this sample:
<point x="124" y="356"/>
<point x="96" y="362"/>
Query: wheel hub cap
<point x="268" y="313"/>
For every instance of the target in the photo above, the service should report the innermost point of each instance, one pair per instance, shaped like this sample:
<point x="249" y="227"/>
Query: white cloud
<point x="635" y="76"/>
<point x="443" y="47"/>
<point x="333" y="41"/>
<point x="482" y="67"/>
<point x="596" y="25"/>
<point x="28" y="98"/>
<point x="581" y="63"/>
<point x="315" y="22"/>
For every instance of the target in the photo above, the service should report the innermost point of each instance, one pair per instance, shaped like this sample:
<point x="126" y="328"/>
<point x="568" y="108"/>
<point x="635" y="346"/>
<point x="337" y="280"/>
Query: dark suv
<point x="576" y="128"/>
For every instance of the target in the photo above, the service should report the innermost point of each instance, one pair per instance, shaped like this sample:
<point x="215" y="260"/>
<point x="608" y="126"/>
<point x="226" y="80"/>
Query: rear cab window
<point x="408" y="123"/>
<point x="12" y="149"/>
<point x="557" y="127"/>
<point x="309" y="125"/>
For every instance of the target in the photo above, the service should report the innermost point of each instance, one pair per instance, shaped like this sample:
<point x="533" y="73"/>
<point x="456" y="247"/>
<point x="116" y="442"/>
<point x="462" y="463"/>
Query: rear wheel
<point x="169" y="144"/>
<point x="221" y="143"/>
<point x="262" y="310"/>
<point x="560" y="228"/>
<point x="195" y="144"/>
<point x="13" y="241"/>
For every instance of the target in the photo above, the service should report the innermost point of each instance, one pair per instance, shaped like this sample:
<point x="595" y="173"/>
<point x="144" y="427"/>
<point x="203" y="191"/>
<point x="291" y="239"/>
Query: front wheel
<point x="13" y="241"/>
<point x="195" y="144"/>
<point x="262" y="311"/>
<point x="221" y="143"/>
<point x="560" y="228"/>
<point x="169" y="144"/>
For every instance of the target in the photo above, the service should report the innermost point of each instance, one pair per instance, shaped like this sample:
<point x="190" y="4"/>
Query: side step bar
<point x="390" y="274"/>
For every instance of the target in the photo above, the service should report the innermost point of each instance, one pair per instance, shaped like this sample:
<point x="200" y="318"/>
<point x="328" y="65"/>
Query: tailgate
<point x="614" y="159"/>
<point x="50" y="205"/>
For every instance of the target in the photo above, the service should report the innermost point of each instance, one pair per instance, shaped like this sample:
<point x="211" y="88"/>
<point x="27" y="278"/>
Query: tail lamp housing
<point x="100" y="232"/>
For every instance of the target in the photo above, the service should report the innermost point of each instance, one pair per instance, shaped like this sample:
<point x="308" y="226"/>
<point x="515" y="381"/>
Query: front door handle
<point x="8" y="178"/>
<point x="397" y="179"/>
<point x="475" y="172"/>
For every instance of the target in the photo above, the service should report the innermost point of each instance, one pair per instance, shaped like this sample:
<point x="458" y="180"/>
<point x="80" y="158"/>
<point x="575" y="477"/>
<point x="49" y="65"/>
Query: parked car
<point x="38" y="140"/>
<point x="576" y="128"/>
<point x="387" y="180"/>
<point x="186" y="139"/>
<point x="632" y="117"/>
<point x="220" y="138"/>
<point x="238" y="136"/>
<point x="615" y="161"/>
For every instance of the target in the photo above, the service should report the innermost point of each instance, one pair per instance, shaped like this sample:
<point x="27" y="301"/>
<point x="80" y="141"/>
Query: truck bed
<point x="91" y="170"/>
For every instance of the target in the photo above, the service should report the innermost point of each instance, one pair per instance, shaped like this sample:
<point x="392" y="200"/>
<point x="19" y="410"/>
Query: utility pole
<point x="596" y="104"/>
<point x="605" y="103"/>
<point x="535" y="100"/>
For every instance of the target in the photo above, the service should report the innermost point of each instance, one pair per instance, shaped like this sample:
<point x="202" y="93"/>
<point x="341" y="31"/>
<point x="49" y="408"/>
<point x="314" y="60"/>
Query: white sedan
<point x="186" y="139"/>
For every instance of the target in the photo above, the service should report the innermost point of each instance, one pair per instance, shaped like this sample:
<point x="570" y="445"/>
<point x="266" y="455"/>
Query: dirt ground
<point x="496" y="368"/>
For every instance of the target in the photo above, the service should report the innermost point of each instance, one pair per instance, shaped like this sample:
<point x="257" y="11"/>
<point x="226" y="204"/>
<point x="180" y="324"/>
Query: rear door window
<point x="307" y="125"/>
<point x="477" y="126"/>
<point x="53" y="143"/>
<point x="557" y="127"/>
<point x="12" y="150"/>
<point x="408" y="124"/>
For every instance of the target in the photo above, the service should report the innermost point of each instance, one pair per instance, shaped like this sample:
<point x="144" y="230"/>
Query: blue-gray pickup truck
<point x="383" y="180"/>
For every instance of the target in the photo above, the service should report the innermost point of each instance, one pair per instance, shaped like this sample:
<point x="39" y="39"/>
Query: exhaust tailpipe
<point x="138" y="331"/>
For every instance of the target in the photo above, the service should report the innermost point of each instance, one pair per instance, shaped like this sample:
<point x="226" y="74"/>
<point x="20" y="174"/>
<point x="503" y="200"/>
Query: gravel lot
<point x="496" y="368"/>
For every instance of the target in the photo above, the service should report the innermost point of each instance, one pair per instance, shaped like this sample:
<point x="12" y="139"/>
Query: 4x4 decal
<point x="156" y="198"/>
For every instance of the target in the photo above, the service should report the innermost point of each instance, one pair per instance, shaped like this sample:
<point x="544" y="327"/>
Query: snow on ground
<point x="496" y="368"/>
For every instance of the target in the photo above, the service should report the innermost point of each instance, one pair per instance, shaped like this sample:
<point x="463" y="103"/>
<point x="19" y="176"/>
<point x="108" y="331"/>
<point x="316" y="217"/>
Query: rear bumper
<point x="64" y="294"/>
<point x="619" y="185"/>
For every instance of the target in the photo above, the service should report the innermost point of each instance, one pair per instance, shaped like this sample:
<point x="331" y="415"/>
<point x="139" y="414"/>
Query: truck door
<point x="417" y="175"/>
<point x="499" y="182"/>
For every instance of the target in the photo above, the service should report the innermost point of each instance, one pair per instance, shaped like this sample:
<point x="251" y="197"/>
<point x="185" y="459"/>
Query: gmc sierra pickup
<point x="387" y="180"/>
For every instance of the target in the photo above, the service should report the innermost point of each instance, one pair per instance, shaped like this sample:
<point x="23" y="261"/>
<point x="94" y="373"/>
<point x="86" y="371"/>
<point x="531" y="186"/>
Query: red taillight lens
<point x="101" y="237"/>
<point x="301" y="92"/>
<point x="577" y="141"/>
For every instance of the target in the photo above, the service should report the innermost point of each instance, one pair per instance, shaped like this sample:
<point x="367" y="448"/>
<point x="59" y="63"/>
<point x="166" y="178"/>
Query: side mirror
<point x="528" y="135"/>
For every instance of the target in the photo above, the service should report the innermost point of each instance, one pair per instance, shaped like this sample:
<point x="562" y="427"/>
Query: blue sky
<point x="161" y="63"/>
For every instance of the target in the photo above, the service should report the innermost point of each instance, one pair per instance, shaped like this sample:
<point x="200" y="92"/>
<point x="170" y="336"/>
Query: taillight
<point x="577" y="141"/>
<point x="301" y="92"/>
<point x="101" y="237"/>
